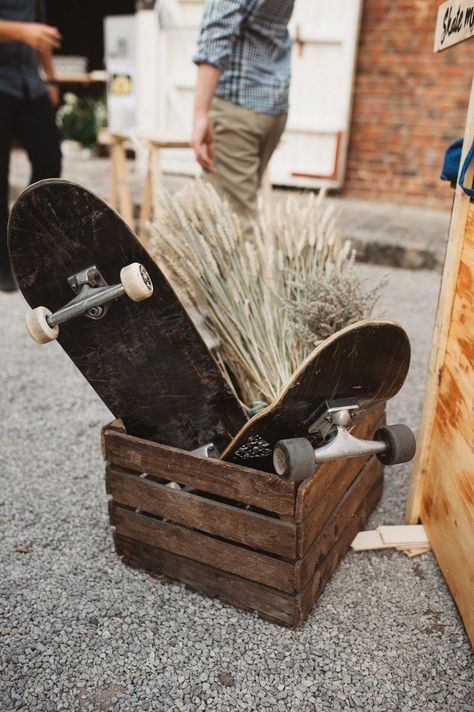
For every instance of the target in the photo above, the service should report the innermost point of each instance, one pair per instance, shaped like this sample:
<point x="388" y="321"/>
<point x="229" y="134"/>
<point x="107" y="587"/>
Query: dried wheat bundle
<point x="253" y="292"/>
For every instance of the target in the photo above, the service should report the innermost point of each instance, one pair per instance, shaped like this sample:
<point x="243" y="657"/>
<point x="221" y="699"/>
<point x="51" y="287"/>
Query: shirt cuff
<point x="220" y="61"/>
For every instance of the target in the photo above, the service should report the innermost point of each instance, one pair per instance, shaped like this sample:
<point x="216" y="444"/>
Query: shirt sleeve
<point x="220" y="27"/>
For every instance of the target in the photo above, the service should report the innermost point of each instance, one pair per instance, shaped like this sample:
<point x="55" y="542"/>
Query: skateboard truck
<point x="208" y="450"/>
<point x="296" y="458"/>
<point x="92" y="299"/>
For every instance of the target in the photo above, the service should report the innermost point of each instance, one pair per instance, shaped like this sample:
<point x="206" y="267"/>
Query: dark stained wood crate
<point x="250" y="538"/>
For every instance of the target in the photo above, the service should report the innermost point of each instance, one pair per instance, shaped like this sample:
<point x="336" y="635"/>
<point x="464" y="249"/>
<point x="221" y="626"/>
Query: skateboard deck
<point x="145" y="360"/>
<point x="367" y="361"/>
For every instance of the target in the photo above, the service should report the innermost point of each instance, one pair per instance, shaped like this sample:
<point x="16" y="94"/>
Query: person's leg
<point x="8" y="108"/>
<point x="39" y="135"/>
<point x="273" y="131"/>
<point x="237" y="147"/>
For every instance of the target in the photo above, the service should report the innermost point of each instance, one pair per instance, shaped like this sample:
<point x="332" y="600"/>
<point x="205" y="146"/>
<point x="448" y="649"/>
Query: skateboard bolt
<point x="96" y="312"/>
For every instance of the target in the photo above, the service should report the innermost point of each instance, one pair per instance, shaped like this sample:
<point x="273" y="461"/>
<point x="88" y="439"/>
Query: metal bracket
<point x="208" y="450"/>
<point x="326" y="416"/>
<point x="331" y="428"/>
<point x="344" y="445"/>
<point x="93" y="296"/>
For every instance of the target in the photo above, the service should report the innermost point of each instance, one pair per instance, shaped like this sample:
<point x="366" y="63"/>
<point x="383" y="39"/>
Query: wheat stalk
<point x="269" y="300"/>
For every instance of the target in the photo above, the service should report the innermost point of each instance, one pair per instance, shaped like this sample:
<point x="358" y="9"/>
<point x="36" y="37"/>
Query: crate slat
<point x="240" y="525"/>
<point x="275" y="561"/>
<point x="322" y="575"/>
<point x="221" y="478"/>
<point x="318" y="496"/>
<point x="276" y="605"/>
<point x="369" y="478"/>
<point x="206" y="549"/>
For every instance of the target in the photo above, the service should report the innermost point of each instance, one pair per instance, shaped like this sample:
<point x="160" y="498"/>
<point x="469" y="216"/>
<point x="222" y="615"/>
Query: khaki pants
<point x="244" y="142"/>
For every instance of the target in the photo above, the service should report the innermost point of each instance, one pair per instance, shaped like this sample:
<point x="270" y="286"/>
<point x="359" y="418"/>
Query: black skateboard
<point x="309" y="423"/>
<point x="94" y="288"/>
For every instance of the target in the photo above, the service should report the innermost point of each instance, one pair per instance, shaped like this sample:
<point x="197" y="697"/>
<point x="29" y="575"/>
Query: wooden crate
<point x="250" y="538"/>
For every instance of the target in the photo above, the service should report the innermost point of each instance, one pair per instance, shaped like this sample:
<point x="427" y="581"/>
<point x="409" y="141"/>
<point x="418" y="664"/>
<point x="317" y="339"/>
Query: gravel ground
<point x="81" y="631"/>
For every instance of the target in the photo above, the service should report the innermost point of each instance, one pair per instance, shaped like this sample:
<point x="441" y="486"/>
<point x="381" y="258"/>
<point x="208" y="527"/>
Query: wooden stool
<point x="154" y="175"/>
<point x="120" y="197"/>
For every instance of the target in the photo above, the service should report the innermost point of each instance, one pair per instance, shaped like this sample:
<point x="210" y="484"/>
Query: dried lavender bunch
<point x="329" y="303"/>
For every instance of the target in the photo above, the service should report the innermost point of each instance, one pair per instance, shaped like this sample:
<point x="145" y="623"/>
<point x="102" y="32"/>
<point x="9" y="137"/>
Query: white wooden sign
<point x="455" y="23"/>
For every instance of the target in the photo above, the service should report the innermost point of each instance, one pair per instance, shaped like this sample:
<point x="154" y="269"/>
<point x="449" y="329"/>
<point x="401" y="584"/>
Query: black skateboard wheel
<point x="294" y="459"/>
<point x="400" y="441"/>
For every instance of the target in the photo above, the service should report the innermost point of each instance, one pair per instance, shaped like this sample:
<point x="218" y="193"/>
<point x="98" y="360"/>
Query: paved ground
<point x="81" y="631"/>
<point x="383" y="233"/>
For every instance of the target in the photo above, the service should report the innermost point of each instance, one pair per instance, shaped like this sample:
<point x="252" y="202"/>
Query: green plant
<point x="79" y="119"/>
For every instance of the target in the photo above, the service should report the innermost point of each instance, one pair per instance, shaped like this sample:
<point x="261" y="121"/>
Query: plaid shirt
<point x="249" y="41"/>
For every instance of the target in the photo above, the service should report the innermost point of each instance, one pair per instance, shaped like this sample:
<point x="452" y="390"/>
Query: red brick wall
<point x="409" y="103"/>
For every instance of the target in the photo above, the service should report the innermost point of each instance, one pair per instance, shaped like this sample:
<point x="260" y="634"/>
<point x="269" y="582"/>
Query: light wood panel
<point x="442" y="488"/>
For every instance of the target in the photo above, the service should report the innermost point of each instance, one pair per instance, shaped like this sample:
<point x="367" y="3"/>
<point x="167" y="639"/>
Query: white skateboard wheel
<point x="38" y="327"/>
<point x="136" y="282"/>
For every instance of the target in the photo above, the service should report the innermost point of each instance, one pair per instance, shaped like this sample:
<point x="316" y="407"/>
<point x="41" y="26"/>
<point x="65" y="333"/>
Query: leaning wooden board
<point x="145" y="360"/>
<point x="442" y="485"/>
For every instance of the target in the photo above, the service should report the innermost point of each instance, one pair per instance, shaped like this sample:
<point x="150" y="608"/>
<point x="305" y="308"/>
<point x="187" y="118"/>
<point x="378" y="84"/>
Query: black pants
<point x="32" y="123"/>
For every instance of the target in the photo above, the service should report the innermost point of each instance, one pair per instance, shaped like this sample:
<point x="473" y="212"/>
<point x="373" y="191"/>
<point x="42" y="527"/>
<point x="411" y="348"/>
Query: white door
<point x="314" y="147"/>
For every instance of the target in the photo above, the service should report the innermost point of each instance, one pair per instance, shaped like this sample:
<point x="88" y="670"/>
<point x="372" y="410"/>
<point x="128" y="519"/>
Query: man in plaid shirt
<point x="241" y="100"/>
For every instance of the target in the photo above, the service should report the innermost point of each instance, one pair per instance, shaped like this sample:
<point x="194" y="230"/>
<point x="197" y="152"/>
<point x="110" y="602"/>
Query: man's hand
<point x="53" y="91"/>
<point x="42" y="38"/>
<point x="202" y="141"/>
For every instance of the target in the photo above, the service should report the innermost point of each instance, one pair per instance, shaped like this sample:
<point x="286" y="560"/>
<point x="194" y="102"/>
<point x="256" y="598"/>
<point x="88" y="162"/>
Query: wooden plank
<point x="329" y="565"/>
<point x="199" y="547"/>
<point x="276" y="605"/>
<point x="254" y="530"/>
<point x="162" y="140"/>
<point x="83" y="78"/>
<point x="446" y="490"/>
<point x="455" y="23"/>
<point x="412" y="535"/>
<point x="459" y="218"/>
<point x="415" y="552"/>
<point x="368" y="541"/>
<point x="313" y="490"/>
<point x="337" y="485"/>
<point x="153" y="180"/>
<point x="330" y="484"/>
<point x="169" y="141"/>
<point x="116" y="424"/>
<point x="456" y="393"/>
<point x="359" y="492"/>
<point x="221" y="478"/>
<point x="448" y="515"/>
